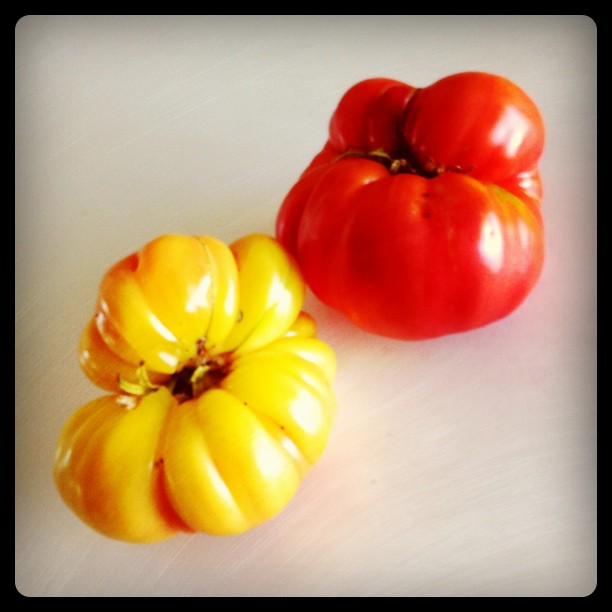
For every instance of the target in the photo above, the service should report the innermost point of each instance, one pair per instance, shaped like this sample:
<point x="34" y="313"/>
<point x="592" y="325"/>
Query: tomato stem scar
<point x="406" y="164"/>
<point x="142" y="387"/>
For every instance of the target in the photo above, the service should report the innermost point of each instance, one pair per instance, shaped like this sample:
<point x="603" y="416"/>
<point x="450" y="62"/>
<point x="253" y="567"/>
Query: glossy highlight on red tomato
<point x="421" y="215"/>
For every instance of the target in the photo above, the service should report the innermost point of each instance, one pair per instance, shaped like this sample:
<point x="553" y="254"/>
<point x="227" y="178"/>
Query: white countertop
<point x="462" y="466"/>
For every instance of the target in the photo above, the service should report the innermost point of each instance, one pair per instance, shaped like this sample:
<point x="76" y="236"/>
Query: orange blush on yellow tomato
<point x="220" y="396"/>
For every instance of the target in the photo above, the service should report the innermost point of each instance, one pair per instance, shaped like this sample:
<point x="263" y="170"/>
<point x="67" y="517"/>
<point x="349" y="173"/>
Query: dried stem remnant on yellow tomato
<point x="220" y="392"/>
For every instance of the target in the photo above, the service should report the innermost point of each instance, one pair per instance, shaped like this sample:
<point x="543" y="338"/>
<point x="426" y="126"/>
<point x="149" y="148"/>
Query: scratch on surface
<point x="63" y="148"/>
<point x="173" y="556"/>
<point x="159" y="125"/>
<point x="188" y="79"/>
<point x="193" y="107"/>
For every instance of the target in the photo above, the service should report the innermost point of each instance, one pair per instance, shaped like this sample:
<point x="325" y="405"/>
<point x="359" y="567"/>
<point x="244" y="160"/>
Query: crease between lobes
<point x="174" y="338"/>
<point x="233" y="324"/>
<point x="304" y="409"/>
<point x="271" y="293"/>
<point x="242" y="476"/>
<point x="153" y="459"/>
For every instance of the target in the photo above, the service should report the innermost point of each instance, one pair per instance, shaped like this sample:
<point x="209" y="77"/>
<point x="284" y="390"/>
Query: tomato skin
<point x="235" y="456"/>
<point x="226" y="298"/>
<point x="368" y="115"/>
<point x="140" y="322"/>
<point x="221" y="393"/>
<point x="108" y="468"/>
<point x="437" y="231"/>
<point x="493" y="244"/>
<point x="103" y="366"/>
<point x="478" y="122"/>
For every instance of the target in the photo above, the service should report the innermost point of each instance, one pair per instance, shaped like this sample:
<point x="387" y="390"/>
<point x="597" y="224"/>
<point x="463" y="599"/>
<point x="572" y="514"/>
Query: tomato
<point x="421" y="215"/>
<point x="220" y="392"/>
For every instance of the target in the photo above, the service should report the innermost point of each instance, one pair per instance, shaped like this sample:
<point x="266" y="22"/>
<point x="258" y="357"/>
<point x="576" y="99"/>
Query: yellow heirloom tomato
<point x="221" y="393"/>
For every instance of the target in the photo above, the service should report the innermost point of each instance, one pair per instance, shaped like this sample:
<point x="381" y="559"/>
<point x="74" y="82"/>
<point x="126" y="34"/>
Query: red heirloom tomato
<point x="221" y="395"/>
<point x="421" y="215"/>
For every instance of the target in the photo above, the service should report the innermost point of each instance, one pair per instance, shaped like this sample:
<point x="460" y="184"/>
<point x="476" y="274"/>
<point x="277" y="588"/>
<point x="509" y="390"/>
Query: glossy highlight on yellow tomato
<point x="220" y="392"/>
